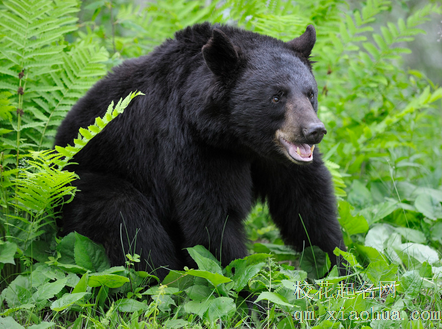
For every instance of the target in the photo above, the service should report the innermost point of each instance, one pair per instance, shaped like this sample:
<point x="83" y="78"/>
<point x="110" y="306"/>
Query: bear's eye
<point x="311" y="95"/>
<point x="276" y="99"/>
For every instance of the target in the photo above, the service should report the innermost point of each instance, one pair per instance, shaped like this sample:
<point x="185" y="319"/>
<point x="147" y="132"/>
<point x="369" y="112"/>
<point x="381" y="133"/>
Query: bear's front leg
<point x="221" y="233"/>
<point x="302" y="204"/>
<point x="111" y="211"/>
<point x="212" y="200"/>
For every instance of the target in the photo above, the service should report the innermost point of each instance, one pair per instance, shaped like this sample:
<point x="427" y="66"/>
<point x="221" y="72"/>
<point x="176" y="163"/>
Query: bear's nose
<point x="314" y="132"/>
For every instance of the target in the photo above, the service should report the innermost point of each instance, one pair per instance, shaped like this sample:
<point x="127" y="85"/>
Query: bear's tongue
<point x="299" y="152"/>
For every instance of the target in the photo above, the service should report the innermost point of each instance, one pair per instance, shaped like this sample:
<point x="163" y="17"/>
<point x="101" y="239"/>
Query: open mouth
<point x="299" y="153"/>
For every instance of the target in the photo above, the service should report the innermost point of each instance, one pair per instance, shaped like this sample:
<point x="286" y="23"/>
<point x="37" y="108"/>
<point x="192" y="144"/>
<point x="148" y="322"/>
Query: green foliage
<point x="383" y="150"/>
<point x="367" y="93"/>
<point x="41" y="186"/>
<point x="86" y="134"/>
<point x="44" y="75"/>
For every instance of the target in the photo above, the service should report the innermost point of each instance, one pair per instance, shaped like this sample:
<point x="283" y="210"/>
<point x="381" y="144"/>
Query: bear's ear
<point x="305" y="42"/>
<point x="220" y="54"/>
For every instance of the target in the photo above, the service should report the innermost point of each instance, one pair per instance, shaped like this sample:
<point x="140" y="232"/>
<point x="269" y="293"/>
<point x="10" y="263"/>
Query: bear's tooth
<point x="297" y="150"/>
<point x="312" y="148"/>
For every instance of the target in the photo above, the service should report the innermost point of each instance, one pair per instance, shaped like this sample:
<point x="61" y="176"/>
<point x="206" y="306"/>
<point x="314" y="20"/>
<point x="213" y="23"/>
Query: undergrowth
<point x="383" y="149"/>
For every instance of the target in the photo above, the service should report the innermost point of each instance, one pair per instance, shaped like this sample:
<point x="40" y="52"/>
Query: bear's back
<point x="157" y="75"/>
<point x="162" y="76"/>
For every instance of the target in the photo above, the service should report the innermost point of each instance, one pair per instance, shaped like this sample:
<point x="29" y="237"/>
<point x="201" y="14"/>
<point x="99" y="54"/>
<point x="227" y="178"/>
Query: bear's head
<point x="272" y="93"/>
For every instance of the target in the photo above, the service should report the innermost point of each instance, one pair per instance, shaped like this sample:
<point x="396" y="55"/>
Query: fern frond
<point x="281" y="27"/>
<point x="27" y="10"/>
<point x="5" y="106"/>
<point x="32" y="45"/>
<point x="85" y="135"/>
<point x="423" y="100"/>
<point x="8" y="86"/>
<point x="53" y="79"/>
<point x="42" y="184"/>
<point x="78" y="72"/>
<point x="41" y="187"/>
<point x="338" y="181"/>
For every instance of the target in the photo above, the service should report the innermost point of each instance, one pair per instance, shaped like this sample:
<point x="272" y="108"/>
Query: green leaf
<point x="7" y="252"/>
<point x="99" y="123"/>
<point x="388" y="36"/>
<point x="359" y="195"/>
<point x="108" y="280"/>
<point x="425" y="96"/>
<point x="213" y="278"/>
<point x="67" y="300"/>
<point x="400" y="50"/>
<point x="198" y="307"/>
<point x="411" y="284"/>
<point x="161" y="290"/>
<point x="219" y="307"/>
<point x="437" y="94"/>
<point x="81" y="286"/>
<point x="43" y="273"/>
<point x="278" y="251"/>
<point x="66" y="249"/>
<point x="378" y="235"/>
<point x="429" y="206"/>
<point x="94" y="5"/>
<point x="164" y="302"/>
<point x="294" y="285"/>
<point x="420" y="252"/>
<point x="38" y="250"/>
<point x="89" y="254"/>
<point x="9" y="323"/>
<point x="42" y="325"/>
<point x="350" y="24"/>
<point x="86" y="133"/>
<point x="64" y="151"/>
<point x="246" y="269"/>
<point x="49" y="290"/>
<point x="199" y="292"/>
<point x="437" y="194"/>
<point x="130" y="305"/>
<point x="349" y="257"/>
<point x="426" y="270"/>
<point x="377" y="212"/>
<point x="436" y="232"/>
<point x="274" y="298"/>
<point x="380" y="42"/>
<point x="401" y="25"/>
<point x="344" y="33"/>
<point x="205" y="260"/>
<point x="314" y="262"/>
<point x="372" y="50"/>
<point x="370" y="253"/>
<point x="393" y="29"/>
<point x="380" y="270"/>
<point x="351" y="224"/>
<point x="94" y="129"/>
<point x="411" y="235"/>
<point x="18" y="292"/>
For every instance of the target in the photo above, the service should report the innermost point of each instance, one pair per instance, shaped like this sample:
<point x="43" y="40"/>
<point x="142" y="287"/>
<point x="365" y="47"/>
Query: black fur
<point x="185" y="163"/>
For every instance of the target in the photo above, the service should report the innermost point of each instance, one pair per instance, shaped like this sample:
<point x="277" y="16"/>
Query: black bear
<point x="228" y="118"/>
